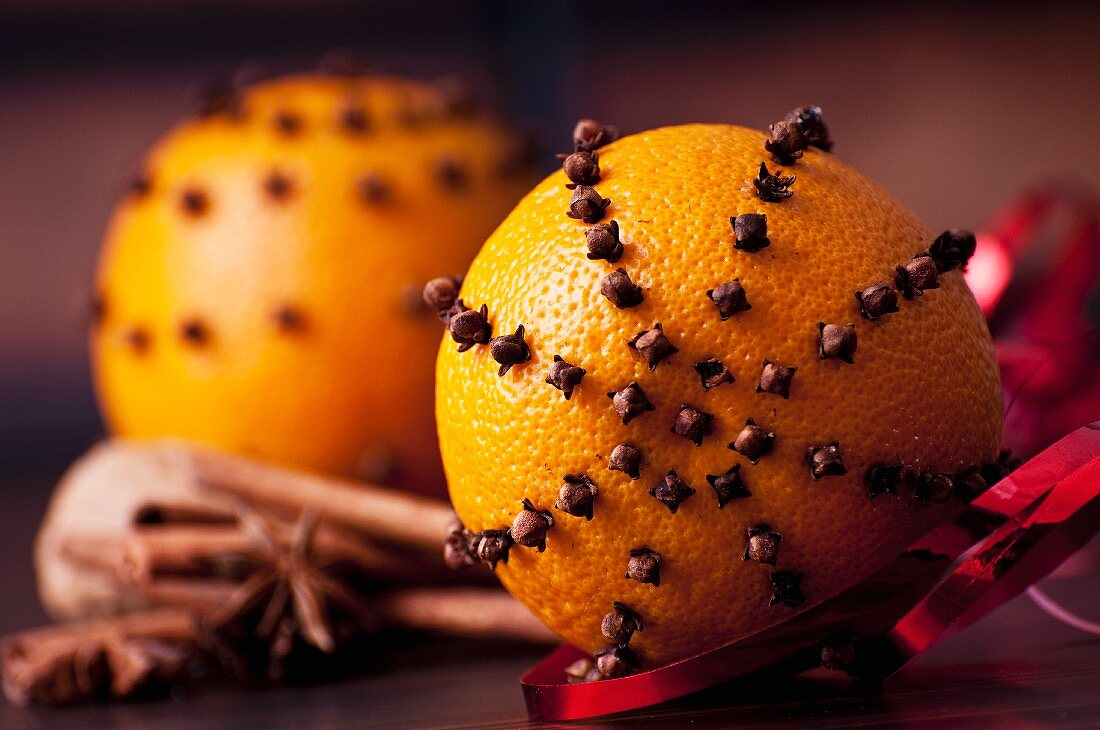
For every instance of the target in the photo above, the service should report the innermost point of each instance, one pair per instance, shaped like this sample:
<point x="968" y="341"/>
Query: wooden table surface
<point x="1018" y="668"/>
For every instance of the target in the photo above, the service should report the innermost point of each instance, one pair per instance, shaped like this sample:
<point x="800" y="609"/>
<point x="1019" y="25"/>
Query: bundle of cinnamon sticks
<point x="197" y="554"/>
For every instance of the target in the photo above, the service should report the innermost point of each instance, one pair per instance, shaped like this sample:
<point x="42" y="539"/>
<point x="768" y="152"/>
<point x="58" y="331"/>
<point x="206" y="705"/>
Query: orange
<point x="922" y="391"/>
<point x="259" y="291"/>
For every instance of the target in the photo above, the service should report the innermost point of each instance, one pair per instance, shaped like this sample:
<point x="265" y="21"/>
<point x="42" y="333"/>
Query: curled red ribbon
<point x="1011" y="536"/>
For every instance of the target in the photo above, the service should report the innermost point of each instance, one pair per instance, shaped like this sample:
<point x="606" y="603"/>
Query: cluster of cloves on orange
<point x="229" y="101"/>
<point x="788" y="141"/>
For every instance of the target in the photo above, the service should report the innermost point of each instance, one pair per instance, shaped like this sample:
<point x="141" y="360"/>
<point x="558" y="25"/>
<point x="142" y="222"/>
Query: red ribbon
<point x="1032" y="274"/>
<point x="1013" y="535"/>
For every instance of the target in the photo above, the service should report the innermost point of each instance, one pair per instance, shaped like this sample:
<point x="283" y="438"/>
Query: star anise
<point x="293" y="610"/>
<point x="98" y="659"/>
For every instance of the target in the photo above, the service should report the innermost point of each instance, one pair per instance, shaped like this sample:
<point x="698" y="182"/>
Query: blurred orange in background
<point x="260" y="287"/>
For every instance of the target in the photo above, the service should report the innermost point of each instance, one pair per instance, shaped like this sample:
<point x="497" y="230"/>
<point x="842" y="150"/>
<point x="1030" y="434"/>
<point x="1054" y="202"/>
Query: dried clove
<point x="577" y="496"/>
<point x="530" y="526"/>
<point x="787" y="141"/>
<point x="776" y="379"/>
<point x="909" y="480"/>
<point x="97" y="310"/>
<point x="457" y="551"/>
<point x="565" y="376"/>
<point x="620" y="624"/>
<point x="470" y="327"/>
<point x="373" y="188"/>
<point x="620" y="290"/>
<point x="587" y="205"/>
<point x="787" y="588"/>
<point x="452" y="173"/>
<point x="603" y="242"/>
<point x="509" y="350"/>
<point x="671" y="491"/>
<point x="492" y="546"/>
<point x="762" y="545"/>
<point x="630" y="402"/>
<point x="825" y="461"/>
<point x="644" y="566"/>
<point x="750" y="232"/>
<point x="729" y="298"/>
<point x="1005" y="464"/>
<point x="589" y="135"/>
<point x="729" y="486"/>
<point x="809" y="120"/>
<point x="194" y="332"/>
<point x="288" y="318"/>
<point x="937" y="488"/>
<point x="712" y="373"/>
<point x="692" y="423"/>
<point x="652" y="345"/>
<point x="352" y="118"/>
<point x="287" y="123"/>
<point x="195" y="202"/>
<point x="582" y="168"/>
<point x="836" y="340"/>
<point x="952" y="249"/>
<point x="753" y="442"/>
<point x="615" y="662"/>
<point x="882" y="479"/>
<point x="969" y="483"/>
<point x="919" y="274"/>
<point x="278" y="186"/>
<point x="140" y="185"/>
<point x="627" y="459"/>
<point x="441" y="293"/>
<point x="772" y="188"/>
<point x="222" y="99"/>
<point x="876" y="300"/>
<point x="137" y="339"/>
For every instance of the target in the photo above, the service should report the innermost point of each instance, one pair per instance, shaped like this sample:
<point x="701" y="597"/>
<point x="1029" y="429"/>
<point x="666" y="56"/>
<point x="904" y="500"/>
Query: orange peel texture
<point x="744" y="538"/>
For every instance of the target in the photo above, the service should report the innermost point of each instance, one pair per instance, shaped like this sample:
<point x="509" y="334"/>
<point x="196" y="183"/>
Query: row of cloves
<point x="449" y="171"/>
<point x="195" y="332"/>
<point x="602" y="240"/>
<point x="952" y="249"/>
<point x="455" y="99"/>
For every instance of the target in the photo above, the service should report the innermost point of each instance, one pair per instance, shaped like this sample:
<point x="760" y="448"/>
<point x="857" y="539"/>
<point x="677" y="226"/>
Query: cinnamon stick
<point x="195" y="549"/>
<point x="386" y="514"/>
<point x="198" y="595"/>
<point x="475" y="612"/>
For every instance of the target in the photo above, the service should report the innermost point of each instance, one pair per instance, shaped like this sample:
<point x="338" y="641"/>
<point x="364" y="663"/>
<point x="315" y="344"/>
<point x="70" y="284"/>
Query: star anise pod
<point x="130" y="655"/>
<point x="295" y="610"/>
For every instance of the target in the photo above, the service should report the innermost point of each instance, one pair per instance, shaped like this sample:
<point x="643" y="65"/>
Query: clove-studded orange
<point x="260" y="289"/>
<point x="782" y="447"/>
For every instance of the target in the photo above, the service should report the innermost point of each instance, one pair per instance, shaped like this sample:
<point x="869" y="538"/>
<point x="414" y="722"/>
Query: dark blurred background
<point x="952" y="106"/>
